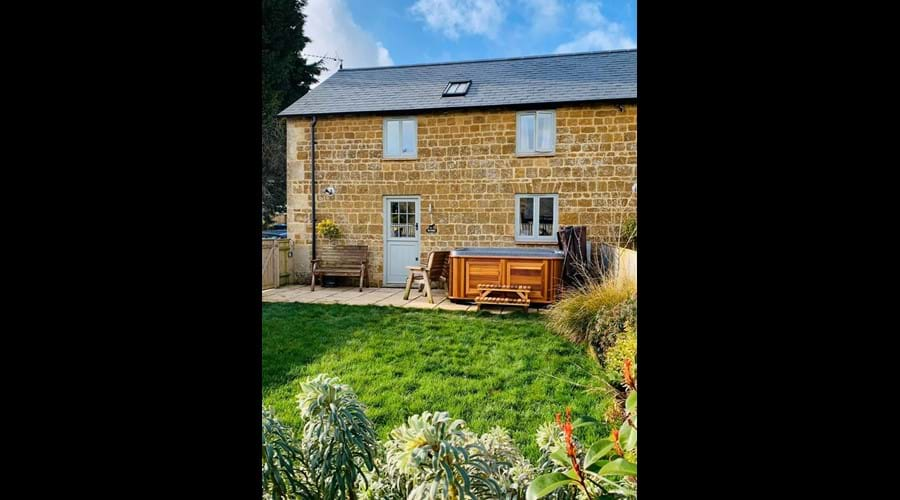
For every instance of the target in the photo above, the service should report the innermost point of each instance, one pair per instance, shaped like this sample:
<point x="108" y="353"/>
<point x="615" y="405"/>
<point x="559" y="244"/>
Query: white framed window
<point x="400" y="136"/>
<point x="535" y="132"/>
<point x="537" y="217"/>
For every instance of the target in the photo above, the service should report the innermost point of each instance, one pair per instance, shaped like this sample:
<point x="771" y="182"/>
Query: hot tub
<point x="537" y="267"/>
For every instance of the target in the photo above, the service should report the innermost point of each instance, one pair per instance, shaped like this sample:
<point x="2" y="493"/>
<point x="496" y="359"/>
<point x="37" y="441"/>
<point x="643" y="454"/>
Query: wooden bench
<point x="340" y="260"/>
<point x="437" y="268"/>
<point x="514" y="295"/>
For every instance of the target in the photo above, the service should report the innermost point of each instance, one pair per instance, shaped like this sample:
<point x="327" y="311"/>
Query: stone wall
<point x="467" y="169"/>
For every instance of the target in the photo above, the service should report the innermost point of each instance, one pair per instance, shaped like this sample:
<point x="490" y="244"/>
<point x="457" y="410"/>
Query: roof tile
<point x="590" y="76"/>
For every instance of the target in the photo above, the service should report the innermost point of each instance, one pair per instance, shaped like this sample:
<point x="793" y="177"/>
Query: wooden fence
<point x="277" y="263"/>
<point x="618" y="262"/>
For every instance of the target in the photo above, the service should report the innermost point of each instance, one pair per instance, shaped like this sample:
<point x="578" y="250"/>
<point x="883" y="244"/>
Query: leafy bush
<point x="551" y="439"/>
<point x="610" y="322"/>
<point x="338" y="437"/>
<point x="430" y="456"/>
<point x="607" y="468"/>
<point x="440" y="458"/>
<point x="624" y="347"/>
<point x="328" y="229"/>
<point x="284" y="470"/>
<point x="594" y="312"/>
<point x="512" y="471"/>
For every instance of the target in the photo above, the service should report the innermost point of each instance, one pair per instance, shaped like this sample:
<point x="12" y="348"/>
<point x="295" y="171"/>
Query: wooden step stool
<point x="489" y="295"/>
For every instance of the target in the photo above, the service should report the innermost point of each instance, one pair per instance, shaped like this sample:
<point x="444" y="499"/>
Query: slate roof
<point x="588" y="76"/>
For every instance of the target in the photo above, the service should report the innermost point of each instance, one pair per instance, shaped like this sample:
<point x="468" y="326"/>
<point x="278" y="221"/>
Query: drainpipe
<point x="312" y="148"/>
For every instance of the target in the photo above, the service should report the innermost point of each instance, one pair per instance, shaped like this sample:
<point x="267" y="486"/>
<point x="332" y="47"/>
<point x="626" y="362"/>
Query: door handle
<point x="417" y="226"/>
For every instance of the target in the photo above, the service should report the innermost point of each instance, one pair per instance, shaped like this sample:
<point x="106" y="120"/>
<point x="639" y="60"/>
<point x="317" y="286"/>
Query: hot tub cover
<point x="508" y="252"/>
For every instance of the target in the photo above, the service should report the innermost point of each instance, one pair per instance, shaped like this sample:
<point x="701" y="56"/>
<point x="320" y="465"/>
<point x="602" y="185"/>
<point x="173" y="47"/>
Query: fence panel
<point x="270" y="264"/>
<point x="621" y="263"/>
<point x="277" y="263"/>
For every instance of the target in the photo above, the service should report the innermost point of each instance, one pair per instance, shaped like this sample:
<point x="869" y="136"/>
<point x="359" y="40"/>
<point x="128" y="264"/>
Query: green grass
<point x="483" y="368"/>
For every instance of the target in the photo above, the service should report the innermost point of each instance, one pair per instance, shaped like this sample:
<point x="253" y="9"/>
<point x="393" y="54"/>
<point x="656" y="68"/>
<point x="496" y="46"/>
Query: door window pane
<point x="403" y="219"/>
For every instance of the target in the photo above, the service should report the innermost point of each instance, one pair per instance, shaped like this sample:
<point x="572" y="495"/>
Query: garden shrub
<point x="432" y="456"/>
<point x="441" y="458"/>
<point x="284" y="471"/>
<point x="624" y="347"/>
<point x="609" y="323"/>
<point x="582" y="311"/>
<point x="606" y="469"/>
<point x="512" y="471"/>
<point x="338" y="437"/>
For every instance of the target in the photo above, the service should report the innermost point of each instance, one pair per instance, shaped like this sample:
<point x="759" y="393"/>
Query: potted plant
<point x="328" y="230"/>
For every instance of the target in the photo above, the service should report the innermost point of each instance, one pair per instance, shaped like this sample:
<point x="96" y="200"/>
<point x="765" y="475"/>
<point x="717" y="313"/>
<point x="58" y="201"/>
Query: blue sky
<point x="392" y="32"/>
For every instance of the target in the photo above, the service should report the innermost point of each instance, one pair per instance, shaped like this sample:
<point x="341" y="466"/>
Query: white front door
<point x="401" y="237"/>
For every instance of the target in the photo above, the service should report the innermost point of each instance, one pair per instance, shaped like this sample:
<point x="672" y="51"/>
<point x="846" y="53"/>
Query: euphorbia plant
<point x="603" y="469"/>
<point x="441" y="459"/>
<point x="339" y="440"/>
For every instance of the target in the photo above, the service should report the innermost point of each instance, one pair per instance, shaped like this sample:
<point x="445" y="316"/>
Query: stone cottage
<point x="493" y="153"/>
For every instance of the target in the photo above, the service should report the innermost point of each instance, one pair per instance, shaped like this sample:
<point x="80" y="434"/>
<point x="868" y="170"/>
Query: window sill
<point x="532" y="155"/>
<point x="399" y="158"/>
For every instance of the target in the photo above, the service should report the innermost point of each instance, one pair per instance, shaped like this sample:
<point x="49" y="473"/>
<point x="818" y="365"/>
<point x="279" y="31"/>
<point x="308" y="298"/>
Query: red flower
<point x="615" y="436"/>
<point x="627" y="372"/>
<point x="570" y="443"/>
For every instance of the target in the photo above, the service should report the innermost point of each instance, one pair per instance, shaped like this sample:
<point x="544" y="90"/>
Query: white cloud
<point x="544" y="14"/>
<point x="603" y="35"/>
<point x="334" y="33"/>
<point x="384" y="57"/>
<point x="452" y="17"/>
<point x="589" y="13"/>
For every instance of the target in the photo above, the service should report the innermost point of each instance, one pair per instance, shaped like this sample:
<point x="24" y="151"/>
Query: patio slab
<point x="374" y="296"/>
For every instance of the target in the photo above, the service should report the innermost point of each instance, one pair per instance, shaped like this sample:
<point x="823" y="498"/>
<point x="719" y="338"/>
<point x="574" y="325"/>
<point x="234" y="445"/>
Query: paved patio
<point x="375" y="297"/>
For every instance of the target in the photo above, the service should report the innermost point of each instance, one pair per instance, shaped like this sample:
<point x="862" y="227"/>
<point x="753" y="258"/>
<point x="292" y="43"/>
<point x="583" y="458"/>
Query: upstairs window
<point x="456" y="88"/>
<point x="537" y="217"/>
<point x="400" y="135"/>
<point x="536" y="132"/>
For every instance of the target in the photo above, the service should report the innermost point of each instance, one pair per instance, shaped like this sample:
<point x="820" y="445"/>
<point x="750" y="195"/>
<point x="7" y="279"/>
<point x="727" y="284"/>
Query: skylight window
<point x="457" y="88"/>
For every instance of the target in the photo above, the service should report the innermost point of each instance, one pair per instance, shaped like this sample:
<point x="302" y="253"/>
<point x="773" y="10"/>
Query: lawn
<point x="485" y="369"/>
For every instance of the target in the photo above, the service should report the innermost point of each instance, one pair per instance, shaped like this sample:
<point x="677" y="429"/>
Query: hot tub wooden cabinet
<point x="537" y="267"/>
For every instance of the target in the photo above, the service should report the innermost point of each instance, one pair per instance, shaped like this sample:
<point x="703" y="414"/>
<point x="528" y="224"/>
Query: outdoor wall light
<point x="329" y="190"/>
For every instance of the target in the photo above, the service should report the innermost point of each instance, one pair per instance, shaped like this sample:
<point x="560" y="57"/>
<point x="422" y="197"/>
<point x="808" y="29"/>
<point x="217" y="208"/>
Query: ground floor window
<point x="537" y="217"/>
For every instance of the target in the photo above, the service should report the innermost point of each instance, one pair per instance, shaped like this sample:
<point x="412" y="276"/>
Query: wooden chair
<point x="340" y="260"/>
<point x="436" y="269"/>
